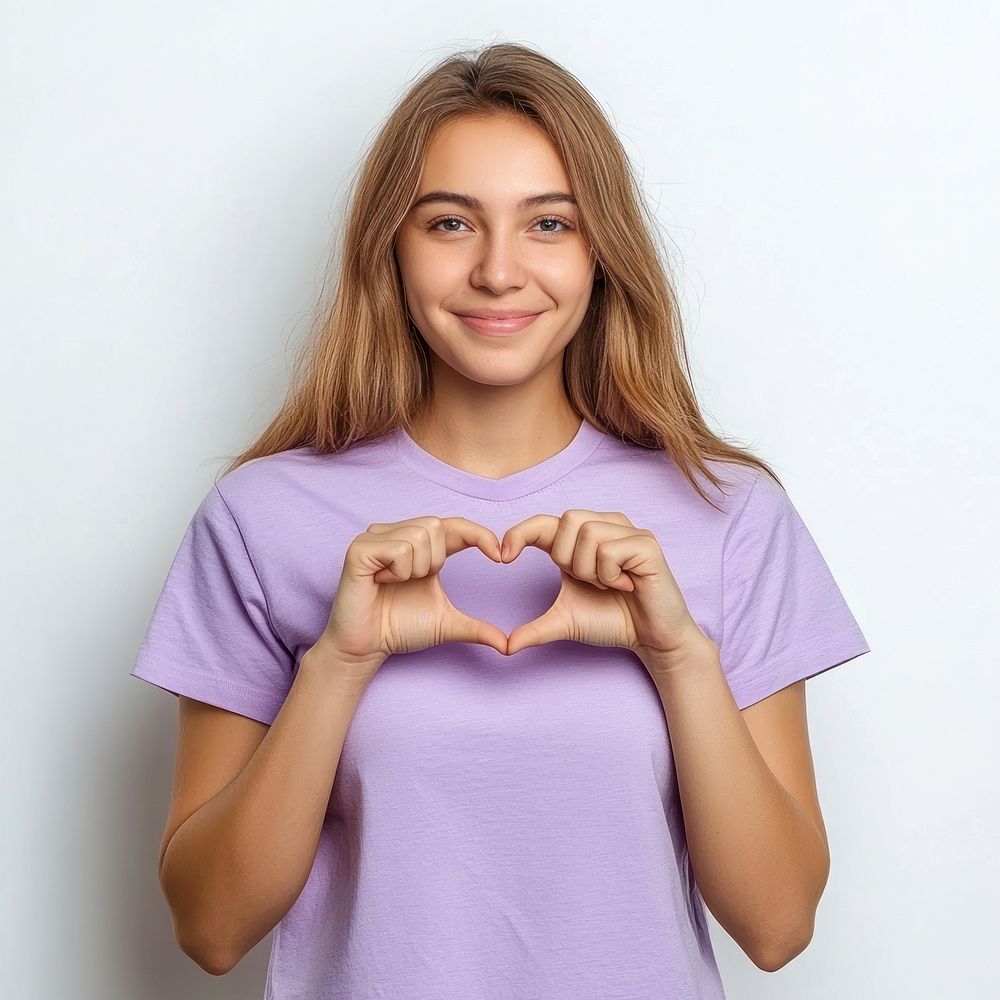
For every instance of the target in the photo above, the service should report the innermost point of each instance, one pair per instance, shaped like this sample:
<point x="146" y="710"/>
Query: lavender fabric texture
<point x="498" y="826"/>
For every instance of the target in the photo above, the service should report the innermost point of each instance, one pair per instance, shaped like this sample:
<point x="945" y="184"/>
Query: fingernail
<point x="504" y="551"/>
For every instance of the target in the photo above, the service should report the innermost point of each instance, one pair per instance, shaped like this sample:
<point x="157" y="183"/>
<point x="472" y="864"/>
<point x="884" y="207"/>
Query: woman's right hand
<point x="390" y="599"/>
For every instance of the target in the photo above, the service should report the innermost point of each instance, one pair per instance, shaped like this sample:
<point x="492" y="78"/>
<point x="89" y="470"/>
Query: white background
<point x="171" y="178"/>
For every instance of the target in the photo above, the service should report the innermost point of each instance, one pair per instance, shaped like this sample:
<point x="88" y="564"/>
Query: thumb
<point x="460" y="627"/>
<point x="547" y="628"/>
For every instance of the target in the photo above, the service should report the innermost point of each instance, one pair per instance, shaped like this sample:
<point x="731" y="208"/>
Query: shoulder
<point x="267" y="478"/>
<point x="754" y="507"/>
<point x="747" y="490"/>
<point x="299" y="484"/>
<point x="656" y="474"/>
<point x="286" y="477"/>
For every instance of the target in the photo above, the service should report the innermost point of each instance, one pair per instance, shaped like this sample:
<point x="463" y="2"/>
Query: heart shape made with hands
<point x="616" y="588"/>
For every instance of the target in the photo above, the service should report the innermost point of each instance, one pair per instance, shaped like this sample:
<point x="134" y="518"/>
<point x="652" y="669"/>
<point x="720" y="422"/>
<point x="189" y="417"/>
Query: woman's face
<point x="469" y="244"/>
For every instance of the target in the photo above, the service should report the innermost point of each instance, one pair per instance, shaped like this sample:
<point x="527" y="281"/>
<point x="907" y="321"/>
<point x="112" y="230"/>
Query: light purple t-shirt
<point x="499" y="827"/>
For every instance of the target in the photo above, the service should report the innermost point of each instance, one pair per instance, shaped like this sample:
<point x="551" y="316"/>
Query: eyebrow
<point x="475" y="205"/>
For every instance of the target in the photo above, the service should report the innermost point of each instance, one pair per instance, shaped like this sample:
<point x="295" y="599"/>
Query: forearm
<point x="233" y="869"/>
<point x="759" y="861"/>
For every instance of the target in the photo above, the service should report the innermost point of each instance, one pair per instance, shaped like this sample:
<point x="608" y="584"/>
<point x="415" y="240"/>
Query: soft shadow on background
<point x="171" y="179"/>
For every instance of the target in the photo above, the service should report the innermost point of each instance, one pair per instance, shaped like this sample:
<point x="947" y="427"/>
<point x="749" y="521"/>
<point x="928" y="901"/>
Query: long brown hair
<point x="364" y="368"/>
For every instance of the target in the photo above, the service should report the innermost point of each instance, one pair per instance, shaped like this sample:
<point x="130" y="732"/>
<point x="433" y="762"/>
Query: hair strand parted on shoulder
<point x="364" y="369"/>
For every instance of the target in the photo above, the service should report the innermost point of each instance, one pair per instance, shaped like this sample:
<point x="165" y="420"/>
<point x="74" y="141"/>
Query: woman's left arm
<point x="760" y="861"/>
<point x="756" y="843"/>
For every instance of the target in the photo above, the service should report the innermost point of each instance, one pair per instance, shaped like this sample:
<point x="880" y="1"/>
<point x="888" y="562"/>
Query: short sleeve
<point x="784" y="617"/>
<point x="211" y="636"/>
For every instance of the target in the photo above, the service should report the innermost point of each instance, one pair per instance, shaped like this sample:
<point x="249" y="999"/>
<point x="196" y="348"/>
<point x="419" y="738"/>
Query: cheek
<point x="566" y="278"/>
<point x="568" y="263"/>
<point x="430" y="273"/>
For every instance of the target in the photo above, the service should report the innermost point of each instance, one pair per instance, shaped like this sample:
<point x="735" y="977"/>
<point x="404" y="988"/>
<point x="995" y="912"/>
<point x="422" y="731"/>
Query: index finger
<point x="461" y="533"/>
<point x="538" y="530"/>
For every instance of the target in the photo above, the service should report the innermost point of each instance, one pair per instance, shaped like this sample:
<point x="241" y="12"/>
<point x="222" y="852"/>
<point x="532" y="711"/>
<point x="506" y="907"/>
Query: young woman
<point x="439" y="768"/>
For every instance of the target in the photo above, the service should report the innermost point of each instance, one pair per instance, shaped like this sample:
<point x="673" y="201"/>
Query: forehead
<point x="497" y="160"/>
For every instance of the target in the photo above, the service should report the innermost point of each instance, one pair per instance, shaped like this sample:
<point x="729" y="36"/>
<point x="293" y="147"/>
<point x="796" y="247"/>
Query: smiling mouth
<point x="495" y="327"/>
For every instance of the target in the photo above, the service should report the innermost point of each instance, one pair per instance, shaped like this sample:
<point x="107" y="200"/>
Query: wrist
<point x="697" y="652"/>
<point x="351" y="673"/>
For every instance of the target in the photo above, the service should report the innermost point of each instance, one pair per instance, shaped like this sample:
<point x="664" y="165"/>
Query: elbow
<point x="202" y="948"/>
<point x="210" y="960"/>
<point x="780" y="949"/>
<point x="776" y="956"/>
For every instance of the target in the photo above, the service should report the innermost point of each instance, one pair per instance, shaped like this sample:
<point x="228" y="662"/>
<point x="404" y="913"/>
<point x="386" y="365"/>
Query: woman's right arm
<point x="236" y="865"/>
<point x="233" y="869"/>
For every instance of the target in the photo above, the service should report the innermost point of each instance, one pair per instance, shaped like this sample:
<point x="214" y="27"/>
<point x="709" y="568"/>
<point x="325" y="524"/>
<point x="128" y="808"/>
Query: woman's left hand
<point x="616" y="588"/>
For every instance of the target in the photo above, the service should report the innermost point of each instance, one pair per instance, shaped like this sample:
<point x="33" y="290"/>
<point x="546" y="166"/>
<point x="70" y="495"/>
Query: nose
<point x="500" y="264"/>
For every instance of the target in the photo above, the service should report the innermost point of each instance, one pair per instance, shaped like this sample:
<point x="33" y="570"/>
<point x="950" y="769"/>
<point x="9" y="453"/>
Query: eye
<point x="555" y="218"/>
<point x="548" y="218"/>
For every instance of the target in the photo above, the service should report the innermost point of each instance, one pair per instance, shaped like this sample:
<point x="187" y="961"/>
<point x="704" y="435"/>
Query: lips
<point x="499" y="324"/>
